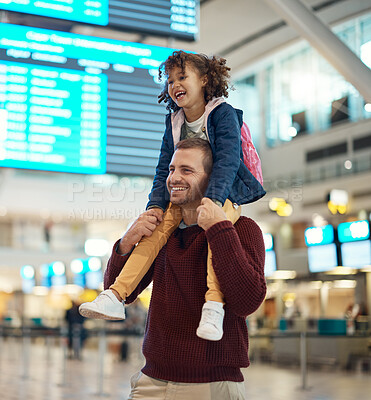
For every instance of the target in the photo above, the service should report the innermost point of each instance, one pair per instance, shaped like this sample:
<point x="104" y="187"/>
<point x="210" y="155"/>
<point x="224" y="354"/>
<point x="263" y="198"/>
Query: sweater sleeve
<point x="238" y="260"/>
<point x="115" y="265"/>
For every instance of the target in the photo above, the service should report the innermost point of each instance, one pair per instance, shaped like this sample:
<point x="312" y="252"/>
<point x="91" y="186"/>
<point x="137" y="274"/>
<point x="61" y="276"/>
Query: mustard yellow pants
<point x="148" y="248"/>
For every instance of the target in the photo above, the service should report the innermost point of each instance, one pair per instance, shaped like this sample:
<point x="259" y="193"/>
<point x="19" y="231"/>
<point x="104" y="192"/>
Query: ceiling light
<point x="344" y="284"/>
<point x="283" y="274"/>
<point x="96" y="247"/>
<point x="95" y="264"/>
<point x="276" y="202"/>
<point x="58" y="268"/>
<point x="342" y="271"/>
<point x="27" y="272"/>
<point x="77" y="266"/>
<point x="366" y="268"/>
<point x="292" y="131"/>
<point x="315" y="284"/>
<point x="40" y="290"/>
<point x="348" y="164"/>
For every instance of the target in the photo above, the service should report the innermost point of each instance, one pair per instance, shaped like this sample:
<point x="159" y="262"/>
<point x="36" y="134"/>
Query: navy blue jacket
<point x="230" y="178"/>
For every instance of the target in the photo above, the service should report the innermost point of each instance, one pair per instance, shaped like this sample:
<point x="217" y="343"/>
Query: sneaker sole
<point x="211" y="338"/>
<point x="97" y="315"/>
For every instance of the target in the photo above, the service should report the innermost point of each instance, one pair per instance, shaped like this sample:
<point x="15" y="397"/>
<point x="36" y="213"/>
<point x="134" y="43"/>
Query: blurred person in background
<point x="76" y="331"/>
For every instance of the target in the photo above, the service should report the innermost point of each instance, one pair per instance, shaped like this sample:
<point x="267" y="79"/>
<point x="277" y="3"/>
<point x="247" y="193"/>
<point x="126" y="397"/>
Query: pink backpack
<point x="250" y="155"/>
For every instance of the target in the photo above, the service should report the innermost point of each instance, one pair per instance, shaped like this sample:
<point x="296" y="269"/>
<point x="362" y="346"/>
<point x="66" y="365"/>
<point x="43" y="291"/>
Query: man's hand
<point x="209" y="214"/>
<point x="144" y="225"/>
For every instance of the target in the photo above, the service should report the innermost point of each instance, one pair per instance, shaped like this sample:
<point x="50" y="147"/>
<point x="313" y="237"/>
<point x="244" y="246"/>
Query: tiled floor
<point x="49" y="377"/>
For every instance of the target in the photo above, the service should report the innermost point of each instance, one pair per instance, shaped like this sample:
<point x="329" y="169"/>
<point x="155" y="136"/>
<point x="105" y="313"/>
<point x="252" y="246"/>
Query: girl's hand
<point x="158" y="213"/>
<point x="143" y="226"/>
<point x="209" y="214"/>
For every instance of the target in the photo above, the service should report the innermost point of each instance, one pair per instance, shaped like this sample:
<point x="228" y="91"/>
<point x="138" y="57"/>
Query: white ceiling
<point x="242" y="31"/>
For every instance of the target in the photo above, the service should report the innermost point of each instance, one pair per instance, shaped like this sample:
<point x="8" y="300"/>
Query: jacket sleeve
<point x="159" y="196"/>
<point x="238" y="260"/>
<point x="227" y="145"/>
<point x="114" y="266"/>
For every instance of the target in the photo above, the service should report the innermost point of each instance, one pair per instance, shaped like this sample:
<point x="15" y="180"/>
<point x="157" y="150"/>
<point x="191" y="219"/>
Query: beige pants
<point x="145" y="388"/>
<point x="148" y="248"/>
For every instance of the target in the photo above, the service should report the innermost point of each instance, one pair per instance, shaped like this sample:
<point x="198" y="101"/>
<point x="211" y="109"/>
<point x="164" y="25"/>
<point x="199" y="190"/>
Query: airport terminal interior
<point x="80" y="136"/>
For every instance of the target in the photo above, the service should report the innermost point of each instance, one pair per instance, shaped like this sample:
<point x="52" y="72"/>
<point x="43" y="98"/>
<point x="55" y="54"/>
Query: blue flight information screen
<point x="169" y="18"/>
<point x="79" y="104"/>
<point x="52" y="119"/>
<point x="89" y="11"/>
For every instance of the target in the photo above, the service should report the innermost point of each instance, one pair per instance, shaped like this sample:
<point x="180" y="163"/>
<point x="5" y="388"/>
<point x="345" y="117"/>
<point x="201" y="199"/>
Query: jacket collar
<point x="177" y="118"/>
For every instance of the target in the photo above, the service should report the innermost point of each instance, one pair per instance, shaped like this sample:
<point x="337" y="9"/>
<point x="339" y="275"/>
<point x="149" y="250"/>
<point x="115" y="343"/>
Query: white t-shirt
<point x="195" y="129"/>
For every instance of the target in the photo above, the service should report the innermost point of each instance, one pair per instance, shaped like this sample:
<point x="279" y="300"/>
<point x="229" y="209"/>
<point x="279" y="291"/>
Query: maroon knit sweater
<point x="172" y="350"/>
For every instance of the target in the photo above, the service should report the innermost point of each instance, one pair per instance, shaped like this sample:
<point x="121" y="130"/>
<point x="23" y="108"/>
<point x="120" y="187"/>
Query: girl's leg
<point x="145" y="253"/>
<point x="211" y="324"/>
<point x="214" y="293"/>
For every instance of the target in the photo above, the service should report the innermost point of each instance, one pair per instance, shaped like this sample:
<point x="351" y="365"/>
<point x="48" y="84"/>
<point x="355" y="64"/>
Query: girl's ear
<point x="204" y="80"/>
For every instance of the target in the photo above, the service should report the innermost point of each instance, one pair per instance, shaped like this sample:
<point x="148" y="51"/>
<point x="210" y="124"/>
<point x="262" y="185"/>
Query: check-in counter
<point x="326" y="342"/>
<point x="336" y="350"/>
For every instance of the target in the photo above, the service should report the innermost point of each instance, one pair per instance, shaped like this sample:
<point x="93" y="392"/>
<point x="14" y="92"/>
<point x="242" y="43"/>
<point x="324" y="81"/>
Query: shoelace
<point x="210" y="317"/>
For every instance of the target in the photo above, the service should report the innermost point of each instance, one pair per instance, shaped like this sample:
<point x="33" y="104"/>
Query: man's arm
<point x="238" y="255"/>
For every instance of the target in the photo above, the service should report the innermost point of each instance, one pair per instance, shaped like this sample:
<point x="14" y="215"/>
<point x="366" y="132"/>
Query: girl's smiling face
<point x="186" y="88"/>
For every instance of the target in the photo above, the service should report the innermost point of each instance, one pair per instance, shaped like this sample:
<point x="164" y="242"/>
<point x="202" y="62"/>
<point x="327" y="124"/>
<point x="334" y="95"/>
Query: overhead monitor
<point x="319" y="235"/>
<point x="322" y="258"/>
<point x="171" y="18"/>
<point x="52" y="118"/>
<point x="356" y="254"/>
<point x="28" y="278"/>
<point x="268" y="241"/>
<point x="53" y="274"/>
<point x="78" y="103"/>
<point x="270" y="263"/>
<point x="89" y="11"/>
<point x="353" y="231"/>
<point x="93" y="279"/>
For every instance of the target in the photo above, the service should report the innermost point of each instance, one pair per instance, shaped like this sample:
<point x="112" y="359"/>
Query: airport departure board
<point x="52" y="119"/>
<point x="89" y="11"/>
<point x="174" y="18"/>
<point x="77" y="103"/>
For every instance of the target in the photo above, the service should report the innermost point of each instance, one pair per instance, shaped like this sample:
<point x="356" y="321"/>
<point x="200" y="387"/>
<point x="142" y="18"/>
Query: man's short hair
<point x="201" y="144"/>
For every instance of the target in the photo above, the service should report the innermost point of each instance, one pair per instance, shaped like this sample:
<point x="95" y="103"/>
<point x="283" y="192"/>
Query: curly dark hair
<point x="213" y="67"/>
<point x="201" y="144"/>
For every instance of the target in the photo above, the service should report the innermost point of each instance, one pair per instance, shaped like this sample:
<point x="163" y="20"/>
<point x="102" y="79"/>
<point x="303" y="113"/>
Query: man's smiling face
<point x="187" y="180"/>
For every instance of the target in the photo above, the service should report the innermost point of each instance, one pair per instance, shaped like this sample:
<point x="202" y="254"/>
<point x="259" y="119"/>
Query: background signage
<point x="322" y="258"/>
<point x="78" y="103"/>
<point x="319" y="235"/>
<point x="356" y="254"/>
<point x="353" y="231"/>
<point x="173" y="18"/>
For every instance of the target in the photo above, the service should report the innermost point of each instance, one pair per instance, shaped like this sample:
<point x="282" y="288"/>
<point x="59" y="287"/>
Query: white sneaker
<point x="105" y="306"/>
<point x="211" y="324"/>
